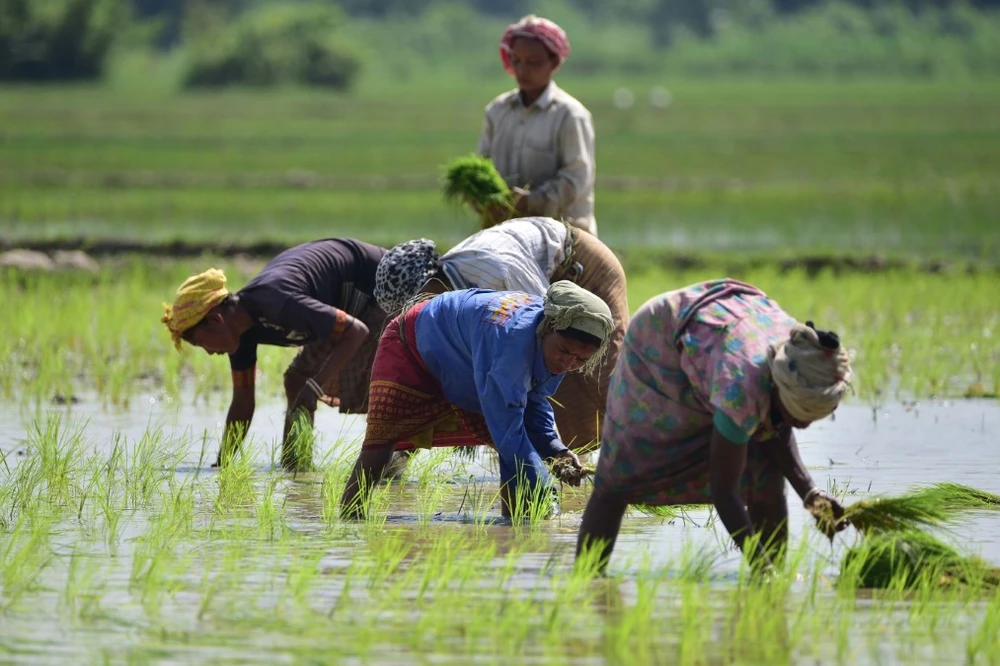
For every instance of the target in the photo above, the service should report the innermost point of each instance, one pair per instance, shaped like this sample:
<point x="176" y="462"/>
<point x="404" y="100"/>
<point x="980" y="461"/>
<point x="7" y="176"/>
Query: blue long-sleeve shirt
<point x="483" y="347"/>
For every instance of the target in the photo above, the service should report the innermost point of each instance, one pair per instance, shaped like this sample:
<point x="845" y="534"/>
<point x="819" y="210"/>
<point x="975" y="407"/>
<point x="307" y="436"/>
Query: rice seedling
<point x="473" y="180"/>
<point x="907" y="559"/>
<point x="297" y="454"/>
<point x="271" y="515"/>
<point x="930" y="506"/>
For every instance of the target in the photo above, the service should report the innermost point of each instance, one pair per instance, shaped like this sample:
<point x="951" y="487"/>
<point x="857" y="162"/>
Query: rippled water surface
<point x="236" y="586"/>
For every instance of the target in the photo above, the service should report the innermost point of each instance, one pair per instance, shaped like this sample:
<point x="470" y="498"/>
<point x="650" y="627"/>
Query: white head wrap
<point x="812" y="372"/>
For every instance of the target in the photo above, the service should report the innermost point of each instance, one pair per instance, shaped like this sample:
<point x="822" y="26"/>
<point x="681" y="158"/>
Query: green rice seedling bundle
<point x="933" y="505"/>
<point x="911" y="558"/>
<point x="895" y="551"/>
<point x="474" y="180"/>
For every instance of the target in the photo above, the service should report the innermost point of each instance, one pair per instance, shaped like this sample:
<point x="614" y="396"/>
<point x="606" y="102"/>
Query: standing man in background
<point x="540" y="138"/>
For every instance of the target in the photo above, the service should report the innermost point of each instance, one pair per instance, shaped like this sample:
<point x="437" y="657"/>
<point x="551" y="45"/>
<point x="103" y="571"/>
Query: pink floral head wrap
<point x="548" y="33"/>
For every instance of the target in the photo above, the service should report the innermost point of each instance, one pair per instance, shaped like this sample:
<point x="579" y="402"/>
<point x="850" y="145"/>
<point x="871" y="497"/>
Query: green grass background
<point x="764" y="166"/>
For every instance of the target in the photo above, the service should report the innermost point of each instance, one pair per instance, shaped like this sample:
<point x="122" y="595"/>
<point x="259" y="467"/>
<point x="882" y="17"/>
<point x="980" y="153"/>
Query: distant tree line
<point x="661" y="15"/>
<point x="266" y="42"/>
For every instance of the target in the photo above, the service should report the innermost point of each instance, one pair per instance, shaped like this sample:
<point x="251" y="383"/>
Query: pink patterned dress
<point x="693" y="359"/>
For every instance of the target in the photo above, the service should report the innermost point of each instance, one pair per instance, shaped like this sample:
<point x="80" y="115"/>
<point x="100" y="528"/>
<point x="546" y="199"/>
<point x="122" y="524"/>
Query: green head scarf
<point x="568" y="305"/>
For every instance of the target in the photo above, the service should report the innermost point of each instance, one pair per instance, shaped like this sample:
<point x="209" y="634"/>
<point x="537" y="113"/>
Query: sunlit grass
<point x="911" y="334"/>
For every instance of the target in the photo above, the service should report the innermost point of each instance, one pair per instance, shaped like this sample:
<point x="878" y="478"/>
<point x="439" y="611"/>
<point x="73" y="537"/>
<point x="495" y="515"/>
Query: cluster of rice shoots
<point x="911" y="559"/>
<point x="896" y="550"/>
<point x="473" y="180"/>
<point x="934" y="505"/>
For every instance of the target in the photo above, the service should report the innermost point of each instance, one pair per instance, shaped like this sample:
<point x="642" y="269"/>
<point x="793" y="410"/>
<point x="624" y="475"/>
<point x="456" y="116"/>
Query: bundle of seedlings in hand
<point x="474" y="180"/>
<point x="909" y="559"/>
<point x="566" y="471"/>
<point x="895" y="551"/>
<point x="937" y="504"/>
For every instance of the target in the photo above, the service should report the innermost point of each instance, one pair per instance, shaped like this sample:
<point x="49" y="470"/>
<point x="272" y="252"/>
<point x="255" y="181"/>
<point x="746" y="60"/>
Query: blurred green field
<point x="911" y="334"/>
<point x="869" y="167"/>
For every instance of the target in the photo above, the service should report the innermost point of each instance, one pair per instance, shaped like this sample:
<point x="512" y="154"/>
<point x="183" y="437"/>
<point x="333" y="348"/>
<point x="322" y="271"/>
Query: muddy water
<point x="863" y="451"/>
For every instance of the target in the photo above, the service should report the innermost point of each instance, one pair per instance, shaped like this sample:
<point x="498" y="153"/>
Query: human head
<point x="196" y="314"/>
<point x="811" y="372"/>
<point x="532" y="50"/>
<point x="402" y="271"/>
<point x="576" y="329"/>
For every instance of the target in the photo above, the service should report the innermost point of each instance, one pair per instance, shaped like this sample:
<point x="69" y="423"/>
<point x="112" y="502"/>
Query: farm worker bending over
<point x="477" y="367"/>
<point x="317" y="296"/>
<point x="701" y="406"/>
<point x="525" y="254"/>
<point x="538" y="136"/>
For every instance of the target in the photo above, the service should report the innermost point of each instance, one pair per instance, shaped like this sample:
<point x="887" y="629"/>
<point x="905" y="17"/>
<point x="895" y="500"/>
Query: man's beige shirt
<point x="548" y="148"/>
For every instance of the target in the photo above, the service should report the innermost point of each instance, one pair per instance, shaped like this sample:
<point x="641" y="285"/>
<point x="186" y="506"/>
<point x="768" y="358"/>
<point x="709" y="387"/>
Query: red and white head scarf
<point x="548" y="33"/>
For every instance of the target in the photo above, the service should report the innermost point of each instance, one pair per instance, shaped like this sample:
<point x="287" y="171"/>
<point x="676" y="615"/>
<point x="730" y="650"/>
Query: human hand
<point x="827" y="510"/>
<point x="309" y="396"/>
<point x="567" y="468"/>
<point x="491" y="215"/>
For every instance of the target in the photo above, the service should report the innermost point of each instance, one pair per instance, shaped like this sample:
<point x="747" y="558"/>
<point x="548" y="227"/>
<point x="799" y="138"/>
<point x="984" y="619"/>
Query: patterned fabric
<point x="548" y="33"/>
<point x="517" y="255"/>
<point x="408" y="407"/>
<point x="403" y="271"/>
<point x="351" y="384"/>
<point x="483" y="347"/>
<point x="546" y="148"/>
<point x="688" y="354"/>
<point x="812" y="371"/>
<point x="195" y="298"/>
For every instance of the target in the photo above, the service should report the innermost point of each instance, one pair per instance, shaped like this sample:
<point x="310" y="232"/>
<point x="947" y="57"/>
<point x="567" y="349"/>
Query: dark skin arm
<point x="784" y="453"/>
<point x="347" y="344"/>
<point x="726" y="463"/>
<point x="238" y="420"/>
<point x="602" y="519"/>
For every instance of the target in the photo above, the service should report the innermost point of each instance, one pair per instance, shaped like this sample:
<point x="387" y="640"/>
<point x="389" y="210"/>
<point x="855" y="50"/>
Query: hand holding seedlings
<point x="309" y="396"/>
<point x="567" y="468"/>
<point x="827" y="511"/>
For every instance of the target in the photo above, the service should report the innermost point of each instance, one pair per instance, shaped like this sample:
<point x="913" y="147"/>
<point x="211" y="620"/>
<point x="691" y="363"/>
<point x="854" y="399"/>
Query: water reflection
<point x="903" y="446"/>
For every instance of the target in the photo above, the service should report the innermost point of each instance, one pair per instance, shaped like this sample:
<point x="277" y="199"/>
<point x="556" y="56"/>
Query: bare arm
<point x="602" y="520"/>
<point x="348" y="343"/>
<point x="348" y="340"/>
<point x="240" y="414"/>
<point x="784" y="453"/>
<point x="726" y="463"/>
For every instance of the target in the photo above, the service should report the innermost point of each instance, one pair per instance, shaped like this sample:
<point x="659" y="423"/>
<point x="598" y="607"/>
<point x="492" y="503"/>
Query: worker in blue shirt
<point x="475" y="367"/>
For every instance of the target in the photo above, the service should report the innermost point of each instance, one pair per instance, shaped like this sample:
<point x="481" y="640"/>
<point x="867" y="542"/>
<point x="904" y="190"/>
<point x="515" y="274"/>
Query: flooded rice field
<point x="123" y="545"/>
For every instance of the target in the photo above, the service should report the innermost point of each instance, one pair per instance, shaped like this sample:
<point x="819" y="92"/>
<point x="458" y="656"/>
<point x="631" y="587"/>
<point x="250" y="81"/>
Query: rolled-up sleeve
<point x="575" y="177"/>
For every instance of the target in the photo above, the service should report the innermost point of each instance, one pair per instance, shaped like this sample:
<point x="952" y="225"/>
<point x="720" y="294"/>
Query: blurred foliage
<point x="57" y="40"/>
<point x="663" y="17"/>
<point x="272" y="44"/>
<point x="265" y="42"/>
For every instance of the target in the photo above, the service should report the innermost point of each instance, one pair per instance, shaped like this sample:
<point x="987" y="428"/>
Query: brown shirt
<point x="547" y="148"/>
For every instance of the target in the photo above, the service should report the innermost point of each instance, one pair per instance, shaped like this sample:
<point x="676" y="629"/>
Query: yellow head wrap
<point x="195" y="299"/>
<point x="812" y="371"/>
